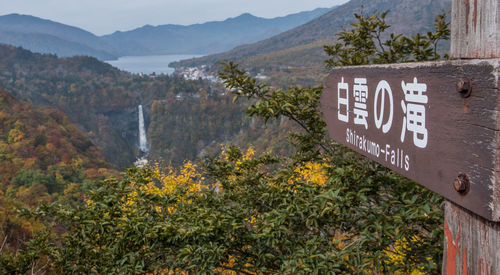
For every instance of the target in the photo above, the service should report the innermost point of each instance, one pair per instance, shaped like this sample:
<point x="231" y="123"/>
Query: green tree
<point x="323" y="209"/>
<point x="364" y="43"/>
<point x="394" y="223"/>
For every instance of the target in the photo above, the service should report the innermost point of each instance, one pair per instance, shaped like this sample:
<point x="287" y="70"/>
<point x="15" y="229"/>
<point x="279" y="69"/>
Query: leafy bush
<point x="323" y="209"/>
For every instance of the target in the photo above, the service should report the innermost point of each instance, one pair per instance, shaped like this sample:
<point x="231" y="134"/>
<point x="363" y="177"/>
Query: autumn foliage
<point x="321" y="209"/>
<point x="43" y="158"/>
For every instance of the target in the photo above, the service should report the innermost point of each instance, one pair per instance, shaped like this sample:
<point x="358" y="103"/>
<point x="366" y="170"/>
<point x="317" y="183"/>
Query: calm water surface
<point x="149" y="64"/>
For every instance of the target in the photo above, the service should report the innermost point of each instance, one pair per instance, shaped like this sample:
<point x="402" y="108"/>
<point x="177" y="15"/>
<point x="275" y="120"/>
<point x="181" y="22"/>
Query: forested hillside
<point x="87" y="90"/>
<point x="43" y="157"/>
<point x="406" y="17"/>
<point x="195" y="126"/>
<point x="102" y="101"/>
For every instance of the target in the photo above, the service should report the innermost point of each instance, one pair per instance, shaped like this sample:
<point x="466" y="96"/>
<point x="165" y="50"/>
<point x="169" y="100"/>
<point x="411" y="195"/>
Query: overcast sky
<point x="106" y="16"/>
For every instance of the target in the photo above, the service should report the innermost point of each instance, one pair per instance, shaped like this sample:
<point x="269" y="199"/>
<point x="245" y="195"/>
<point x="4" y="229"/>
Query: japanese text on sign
<point x="412" y="109"/>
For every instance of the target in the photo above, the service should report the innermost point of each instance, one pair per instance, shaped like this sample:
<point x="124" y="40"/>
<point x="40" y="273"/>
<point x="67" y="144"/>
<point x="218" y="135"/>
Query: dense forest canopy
<point x="43" y="157"/>
<point x="102" y="101"/>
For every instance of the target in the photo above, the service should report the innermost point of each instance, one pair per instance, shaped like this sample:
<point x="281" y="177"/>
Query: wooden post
<point x="472" y="244"/>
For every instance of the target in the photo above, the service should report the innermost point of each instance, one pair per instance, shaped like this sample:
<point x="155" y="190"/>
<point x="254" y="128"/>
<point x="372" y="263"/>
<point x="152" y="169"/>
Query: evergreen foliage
<point x="322" y="209"/>
<point x="364" y="43"/>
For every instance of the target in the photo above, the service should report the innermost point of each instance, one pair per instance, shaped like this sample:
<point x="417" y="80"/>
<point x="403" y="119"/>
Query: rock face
<point x="118" y="135"/>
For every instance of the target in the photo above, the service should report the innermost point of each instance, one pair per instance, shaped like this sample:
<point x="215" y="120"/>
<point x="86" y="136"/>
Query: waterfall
<point x="143" y="143"/>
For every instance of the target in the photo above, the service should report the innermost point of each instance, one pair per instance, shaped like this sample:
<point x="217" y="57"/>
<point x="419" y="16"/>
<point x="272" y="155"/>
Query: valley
<point x="138" y="146"/>
<point x="102" y="101"/>
<point x="46" y="36"/>
<point x="188" y="113"/>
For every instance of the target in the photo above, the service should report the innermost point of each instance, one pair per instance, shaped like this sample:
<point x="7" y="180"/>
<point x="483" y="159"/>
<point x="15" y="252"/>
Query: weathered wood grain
<point x="471" y="243"/>
<point x="462" y="132"/>
<point x="475" y="31"/>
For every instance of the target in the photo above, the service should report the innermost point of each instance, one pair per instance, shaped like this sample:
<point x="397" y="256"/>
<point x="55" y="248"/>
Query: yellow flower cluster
<point x="312" y="173"/>
<point x="248" y="155"/>
<point x="397" y="254"/>
<point x="238" y="165"/>
<point x="188" y="176"/>
<point x="163" y="183"/>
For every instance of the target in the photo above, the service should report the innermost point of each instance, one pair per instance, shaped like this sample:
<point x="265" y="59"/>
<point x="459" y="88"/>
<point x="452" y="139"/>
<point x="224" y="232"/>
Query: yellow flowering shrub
<point x="238" y="164"/>
<point x="312" y="173"/>
<point x="398" y="252"/>
<point x="163" y="182"/>
<point x="188" y="176"/>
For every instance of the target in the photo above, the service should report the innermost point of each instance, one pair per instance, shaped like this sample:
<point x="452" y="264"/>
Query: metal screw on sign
<point x="462" y="184"/>
<point x="464" y="87"/>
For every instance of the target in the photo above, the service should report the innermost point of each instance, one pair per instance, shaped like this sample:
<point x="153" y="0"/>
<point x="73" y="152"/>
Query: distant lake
<point x="150" y="63"/>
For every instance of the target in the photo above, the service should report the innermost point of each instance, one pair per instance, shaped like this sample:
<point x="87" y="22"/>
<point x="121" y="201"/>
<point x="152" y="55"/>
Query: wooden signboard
<point x="437" y="123"/>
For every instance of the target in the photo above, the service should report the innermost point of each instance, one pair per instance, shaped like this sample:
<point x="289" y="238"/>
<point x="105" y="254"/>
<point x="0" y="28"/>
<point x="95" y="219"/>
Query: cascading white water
<point x="143" y="143"/>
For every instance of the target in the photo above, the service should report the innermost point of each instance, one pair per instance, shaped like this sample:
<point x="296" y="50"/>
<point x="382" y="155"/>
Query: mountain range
<point x="102" y="101"/>
<point x="404" y="17"/>
<point x="207" y="38"/>
<point x="46" y="36"/>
